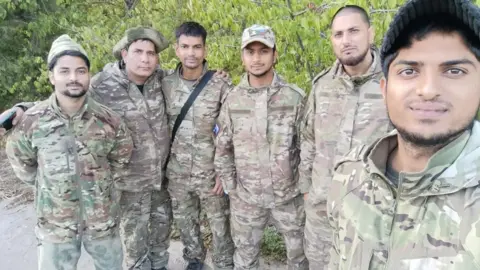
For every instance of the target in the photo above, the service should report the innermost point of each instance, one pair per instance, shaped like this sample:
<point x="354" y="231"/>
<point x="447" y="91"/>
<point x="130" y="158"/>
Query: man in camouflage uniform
<point x="73" y="150"/>
<point x="190" y="171"/>
<point x="410" y="200"/>
<point x="258" y="152"/>
<point x="132" y="87"/>
<point x="344" y="109"/>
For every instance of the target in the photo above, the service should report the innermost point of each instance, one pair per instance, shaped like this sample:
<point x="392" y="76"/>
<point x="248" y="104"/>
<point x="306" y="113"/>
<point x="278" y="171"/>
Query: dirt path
<point x="17" y="222"/>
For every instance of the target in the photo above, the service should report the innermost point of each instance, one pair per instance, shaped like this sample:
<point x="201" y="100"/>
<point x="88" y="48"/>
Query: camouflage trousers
<point x="105" y="252"/>
<point x="248" y="224"/>
<point x="317" y="235"/>
<point x="187" y="198"/>
<point x="145" y="227"/>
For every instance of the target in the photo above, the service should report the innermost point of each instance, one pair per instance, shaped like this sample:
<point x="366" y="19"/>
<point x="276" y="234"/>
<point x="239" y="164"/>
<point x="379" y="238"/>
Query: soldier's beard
<point x="259" y="75"/>
<point x="353" y="60"/>
<point x="432" y="141"/>
<point x="79" y="94"/>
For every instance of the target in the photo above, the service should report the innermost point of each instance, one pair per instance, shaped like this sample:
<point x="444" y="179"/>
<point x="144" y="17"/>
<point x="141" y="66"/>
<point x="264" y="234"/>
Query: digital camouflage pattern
<point x="145" y="228"/>
<point x="248" y="224"/>
<point x="431" y="222"/>
<point x="160" y="228"/>
<point x="146" y="118"/>
<point x="74" y="163"/>
<point x="143" y="199"/>
<point x="342" y="112"/>
<point x="261" y="124"/>
<point x="106" y="254"/>
<point x="191" y="171"/>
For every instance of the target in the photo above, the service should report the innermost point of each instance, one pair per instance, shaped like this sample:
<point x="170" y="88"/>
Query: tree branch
<point x="372" y="11"/>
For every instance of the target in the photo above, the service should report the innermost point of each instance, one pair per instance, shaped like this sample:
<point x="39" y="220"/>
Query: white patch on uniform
<point x="451" y="214"/>
<point x="422" y="264"/>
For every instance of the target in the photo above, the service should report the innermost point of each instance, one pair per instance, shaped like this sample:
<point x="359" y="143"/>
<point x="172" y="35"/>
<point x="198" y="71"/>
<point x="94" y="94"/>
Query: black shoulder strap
<point x="190" y="101"/>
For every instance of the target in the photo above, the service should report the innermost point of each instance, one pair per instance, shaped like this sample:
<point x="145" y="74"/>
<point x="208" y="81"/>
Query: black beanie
<point x="463" y="10"/>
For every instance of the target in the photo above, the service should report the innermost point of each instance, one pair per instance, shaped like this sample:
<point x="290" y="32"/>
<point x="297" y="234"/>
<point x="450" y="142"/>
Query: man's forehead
<point x="68" y="61"/>
<point x="347" y="19"/>
<point x="143" y="44"/>
<point x="436" y="48"/>
<point x="190" y="40"/>
<point x="256" y="45"/>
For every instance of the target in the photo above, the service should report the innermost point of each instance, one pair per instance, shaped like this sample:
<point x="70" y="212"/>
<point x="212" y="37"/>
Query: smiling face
<point x="351" y="37"/>
<point x="258" y="59"/>
<point x="432" y="89"/>
<point x="70" y="76"/>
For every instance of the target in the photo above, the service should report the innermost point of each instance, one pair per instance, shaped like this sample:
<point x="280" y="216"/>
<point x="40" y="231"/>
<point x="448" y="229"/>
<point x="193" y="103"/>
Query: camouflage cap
<point x="259" y="33"/>
<point x="136" y="33"/>
<point x="62" y="44"/>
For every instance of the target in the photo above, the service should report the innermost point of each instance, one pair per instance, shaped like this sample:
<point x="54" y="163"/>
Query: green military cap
<point x="136" y="33"/>
<point x="62" y="44"/>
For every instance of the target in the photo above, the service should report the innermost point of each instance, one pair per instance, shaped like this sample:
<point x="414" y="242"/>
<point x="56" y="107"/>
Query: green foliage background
<point x="28" y="27"/>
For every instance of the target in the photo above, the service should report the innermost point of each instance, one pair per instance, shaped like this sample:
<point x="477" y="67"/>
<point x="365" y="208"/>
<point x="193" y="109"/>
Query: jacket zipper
<point x="77" y="179"/>
<point x="391" y="242"/>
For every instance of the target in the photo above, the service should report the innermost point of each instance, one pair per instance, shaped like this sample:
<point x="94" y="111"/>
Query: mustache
<point x="429" y="105"/>
<point x="75" y="84"/>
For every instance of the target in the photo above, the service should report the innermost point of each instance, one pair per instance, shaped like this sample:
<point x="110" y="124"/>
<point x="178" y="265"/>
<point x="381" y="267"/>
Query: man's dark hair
<point x="69" y="53"/>
<point x="355" y="9"/>
<point x="420" y="28"/>
<point x="191" y="29"/>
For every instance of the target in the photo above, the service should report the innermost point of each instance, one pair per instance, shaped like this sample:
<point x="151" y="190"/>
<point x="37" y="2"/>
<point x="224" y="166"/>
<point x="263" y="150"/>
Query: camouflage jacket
<point x="73" y="163"/>
<point x="257" y="147"/>
<point x="146" y="118"/>
<point x="193" y="149"/>
<point x="430" y="222"/>
<point x="341" y="112"/>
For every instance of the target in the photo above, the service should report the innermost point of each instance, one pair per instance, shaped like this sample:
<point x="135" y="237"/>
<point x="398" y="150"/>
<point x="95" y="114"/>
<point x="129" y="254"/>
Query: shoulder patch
<point x="297" y="89"/>
<point x="320" y="75"/>
<point x="99" y="78"/>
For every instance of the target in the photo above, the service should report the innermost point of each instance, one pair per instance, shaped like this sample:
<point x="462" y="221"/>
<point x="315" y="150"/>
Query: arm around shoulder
<point x="20" y="151"/>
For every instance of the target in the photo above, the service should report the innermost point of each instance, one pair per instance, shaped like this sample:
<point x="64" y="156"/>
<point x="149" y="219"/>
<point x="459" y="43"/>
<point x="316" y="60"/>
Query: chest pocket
<point x="55" y="150"/>
<point x="371" y="120"/>
<point x="93" y="143"/>
<point x="282" y="118"/>
<point x="335" y="112"/>
<point x="178" y="100"/>
<point x="242" y="121"/>
<point x="281" y="125"/>
<point x="207" y="104"/>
